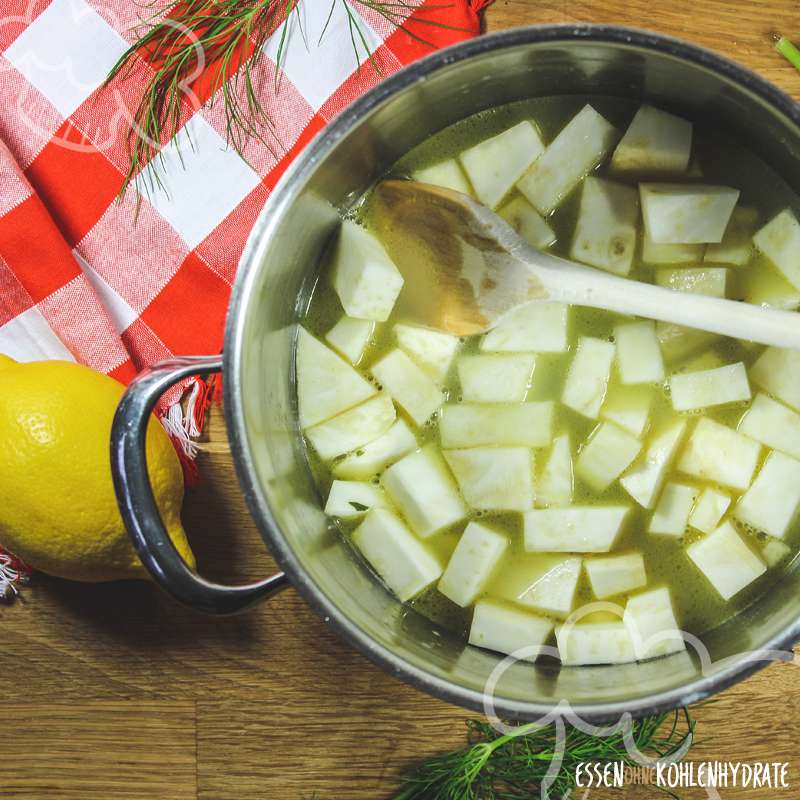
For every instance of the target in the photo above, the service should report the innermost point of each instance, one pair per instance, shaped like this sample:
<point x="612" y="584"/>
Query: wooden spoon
<point x="465" y="268"/>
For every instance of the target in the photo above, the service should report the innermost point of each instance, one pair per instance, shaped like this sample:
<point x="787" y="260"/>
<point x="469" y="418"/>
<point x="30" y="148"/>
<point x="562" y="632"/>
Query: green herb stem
<point x="788" y="51"/>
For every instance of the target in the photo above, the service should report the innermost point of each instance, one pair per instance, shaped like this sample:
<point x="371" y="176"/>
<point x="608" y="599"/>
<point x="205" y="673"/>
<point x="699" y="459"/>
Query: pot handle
<point x="138" y="506"/>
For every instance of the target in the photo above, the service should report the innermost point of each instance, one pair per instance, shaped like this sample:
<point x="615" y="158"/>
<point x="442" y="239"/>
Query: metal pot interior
<point x="278" y="272"/>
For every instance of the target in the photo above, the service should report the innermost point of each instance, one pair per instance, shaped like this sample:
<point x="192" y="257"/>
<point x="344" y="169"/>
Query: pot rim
<point x="285" y="193"/>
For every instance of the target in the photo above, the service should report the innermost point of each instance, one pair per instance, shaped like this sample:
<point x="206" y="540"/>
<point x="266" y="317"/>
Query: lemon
<point x="58" y="511"/>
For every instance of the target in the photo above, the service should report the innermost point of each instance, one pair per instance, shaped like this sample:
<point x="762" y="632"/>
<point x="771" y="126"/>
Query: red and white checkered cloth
<point x="83" y="276"/>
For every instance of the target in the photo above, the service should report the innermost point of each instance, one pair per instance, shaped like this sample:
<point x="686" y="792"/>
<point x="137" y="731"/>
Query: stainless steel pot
<point x="275" y="279"/>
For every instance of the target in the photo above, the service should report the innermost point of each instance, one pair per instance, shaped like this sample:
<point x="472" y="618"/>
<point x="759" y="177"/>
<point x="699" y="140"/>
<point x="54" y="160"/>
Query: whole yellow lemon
<point x="58" y="510"/>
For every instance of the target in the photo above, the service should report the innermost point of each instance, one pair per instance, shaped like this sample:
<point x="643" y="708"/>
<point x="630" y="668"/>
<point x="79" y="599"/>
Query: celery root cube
<point x="618" y="574"/>
<point x="771" y="503"/>
<point x="678" y="342"/>
<point x="587" y="379"/>
<point x="447" y="174"/>
<point x="639" y="357"/>
<point x="726" y="560"/>
<point x="709" y="509"/>
<point x="655" y="253"/>
<point x="364" y="277"/>
<point x="594" y="643"/>
<point x="495" y="377"/>
<point x="475" y="558"/>
<point x="628" y="407"/>
<point x="414" y="390"/>
<point x="433" y="351"/>
<point x="773" y="424"/>
<point x="421" y="487"/>
<point x="495" y="165"/>
<point x="645" y="480"/>
<point x="718" y="454"/>
<point x="373" y="457"/>
<point x="574" y="153"/>
<point x="677" y="213"/>
<point x="655" y="141"/>
<point x="403" y="562"/>
<point x="352" y="428"/>
<point x="774" y="551"/>
<point x="350" y="336"/>
<point x="605" y="232"/>
<point x="711" y="281"/>
<point x="691" y="391"/>
<point x="349" y="499"/>
<point x="650" y="620"/>
<point x="607" y="454"/>
<point x="527" y="222"/>
<point x="777" y="371"/>
<point x="763" y="285"/>
<point x="504" y="629"/>
<point x="533" y="328"/>
<point x="543" y="581"/>
<point x="555" y="484"/>
<point x="672" y="512"/>
<point x="494" y="478"/>
<point x="736" y="247"/>
<point x="496" y="424"/>
<point x="779" y="241"/>
<point x="326" y="384"/>
<point x="579" y="529"/>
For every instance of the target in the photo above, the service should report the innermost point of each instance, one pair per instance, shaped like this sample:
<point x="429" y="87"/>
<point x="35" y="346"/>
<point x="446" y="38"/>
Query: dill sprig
<point x="540" y="760"/>
<point x="202" y="49"/>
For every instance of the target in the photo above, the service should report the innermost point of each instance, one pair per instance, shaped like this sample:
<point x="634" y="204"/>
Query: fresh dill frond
<point x="537" y="760"/>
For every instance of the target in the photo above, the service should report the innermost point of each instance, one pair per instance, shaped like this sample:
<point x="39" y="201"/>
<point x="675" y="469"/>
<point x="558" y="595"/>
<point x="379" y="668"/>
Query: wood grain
<point x="117" y="692"/>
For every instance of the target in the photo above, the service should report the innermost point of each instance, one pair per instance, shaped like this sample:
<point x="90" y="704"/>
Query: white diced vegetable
<point x="779" y="241"/>
<point x="763" y="285"/>
<point x="350" y="336"/>
<point x="605" y="231"/>
<point x="364" y="277"/>
<point x="706" y="388"/>
<point x="527" y="222"/>
<point x="405" y="564"/>
<point x="352" y="428"/>
<point x="655" y="141"/>
<point x="678" y="342"/>
<point x="475" y="558"/>
<point x="349" y="499"/>
<point x="587" y="380"/>
<point x="686" y="213"/>
<point x="707" y="360"/>
<point x="618" y="574"/>
<point x="496" y="164"/>
<point x="496" y="424"/>
<point x="778" y="372"/>
<point x="494" y="478"/>
<point x="326" y="384"/>
<point x="718" y="454"/>
<point x="579" y="529"/>
<point x="496" y="378"/>
<point x="726" y="560"/>
<point x="628" y="407"/>
<point x="533" y="328"/>
<point x="643" y="483"/>
<point x="655" y="253"/>
<point x="771" y="503"/>
<point x="736" y="247"/>
<point x="574" y="153"/>
<point x="638" y="353"/>
<point x="504" y="629"/>
<point x="447" y="174"/>
<point x="554" y="487"/>
<point x="421" y="487"/>
<point x="703" y="280"/>
<point x="594" y="643"/>
<point x="413" y="389"/>
<point x="606" y="456"/>
<point x="774" y="551"/>
<point x="373" y="457"/>
<point x="709" y="509"/>
<point x="672" y="511"/>
<point x="772" y="424"/>
<point x="650" y="620"/>
<point x="544" y="581"/>
<point x="432" y="350"/>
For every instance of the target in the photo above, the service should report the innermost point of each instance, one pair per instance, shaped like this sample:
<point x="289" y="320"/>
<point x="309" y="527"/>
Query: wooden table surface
<point x="115" y="691"/>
